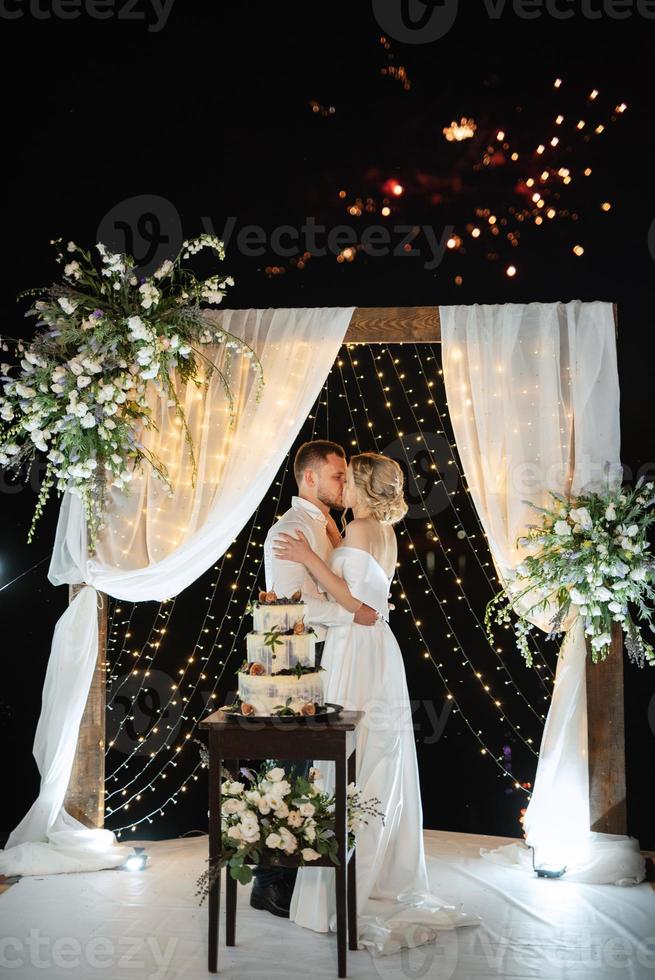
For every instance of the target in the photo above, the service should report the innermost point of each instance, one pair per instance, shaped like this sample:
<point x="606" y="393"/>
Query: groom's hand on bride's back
<point x="365" y="616"/>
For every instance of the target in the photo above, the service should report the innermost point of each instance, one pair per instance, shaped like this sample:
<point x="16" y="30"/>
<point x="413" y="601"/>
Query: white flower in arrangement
<point x="582" y="517"/>
<point x="264" y="805"/>
<point x="83" y="380"/>
<point x="164" y="269"/>
<point x="234" y="832"/>
<point x="309" y="854"/>
<point x="603" y="639"/>
<point x="24" y="390"/>
<point x="253" y="796"/>
<point x="148" y="373"/>
<point x="273" y="840"/>
<point x="289" y="842"/>
<point x="610" y="512"/>
<point x="283" y="787"/>
<point x="93" y="367"/>
<point x="71" y="247"/>
<point x="249" y="827"/>
<point x="39" y="439"/>
<point x="145" y="355"/>
<point x="309" y="831"/>
<point x="7" y="413"/>
<point x="579" y="598"/>
<point x="307" y="809"/>
<point x="295" y="818"/>
<point x="351" y="790"/>
<point x="4" y="459"/>
<point x="137" y="328"/>
<point x="185" y="350"/>
<point x="106" y="393"/>
<point x="75" y="364"/>
<point x="150" y="295"/>
<point x="315" y="773"/>
<point x="562" y="528"/>
<point x="68" y="306"/>
<point x="12" y="449"/>
<point x="602" y="593"/>
<point x="632" y="531"/>
<point x="638" y="574"/>
<point x="72" y="269"/>
<point x="56" y="456"/>
<point x="275" y="775"/>
<point x="88" y="421"/>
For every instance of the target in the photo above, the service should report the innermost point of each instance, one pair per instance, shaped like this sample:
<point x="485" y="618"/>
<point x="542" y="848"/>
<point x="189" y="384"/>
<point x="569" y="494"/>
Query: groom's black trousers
<point x="265" y="875"/>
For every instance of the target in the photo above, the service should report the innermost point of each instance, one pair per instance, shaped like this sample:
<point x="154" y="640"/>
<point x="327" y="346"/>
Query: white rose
<point x="562" y="528"/>
<point x="295" y="818"/>
<point x="289" y="843"/>
<point x="309" y="831"/>
<point x="7" y="413"/>
<point x="282" y="811"/>
<point x="275" y="775"/>
<point x="230" y="806"/>
<point x="88" y="421"/>
<point x="235" y="787"/>
<point x="632" y="531"/>
<point x="253" y="795"/>
<point x="603" y="639"/>
<point x="75" y="366"/>
<point x="234" y="832"/>
<point x="273" y="840"/>
<point x="264" y="806"/>
<point x="315" y="773"/>
<point x="581" y="516"/>
<point x="309" y="854"/>
<point x="83" y="380"/>
<point x="307" y="809"/>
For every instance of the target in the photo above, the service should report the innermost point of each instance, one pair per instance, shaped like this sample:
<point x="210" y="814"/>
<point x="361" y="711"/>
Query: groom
<point x="320" y="471"/>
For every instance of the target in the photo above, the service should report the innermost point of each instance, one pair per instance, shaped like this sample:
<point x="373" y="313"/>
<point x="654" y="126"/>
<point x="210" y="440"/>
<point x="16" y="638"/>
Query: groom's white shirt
<point x="286" y="577"/>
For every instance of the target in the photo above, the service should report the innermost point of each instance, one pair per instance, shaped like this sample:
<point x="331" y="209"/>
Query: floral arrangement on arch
<point x="594" y="556"/>
<point x="280" y="816"/>
<point x="77" y="390"/>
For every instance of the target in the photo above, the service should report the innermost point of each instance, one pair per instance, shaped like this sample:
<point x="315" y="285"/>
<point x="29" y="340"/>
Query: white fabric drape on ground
<point x="154" y="546"/>
<point x="533" y="397"/>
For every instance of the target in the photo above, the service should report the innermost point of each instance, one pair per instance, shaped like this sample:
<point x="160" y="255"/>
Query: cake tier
<point x="286" y="654"/>
<point x="266" y="693"/>
<point x="282" y="616"/>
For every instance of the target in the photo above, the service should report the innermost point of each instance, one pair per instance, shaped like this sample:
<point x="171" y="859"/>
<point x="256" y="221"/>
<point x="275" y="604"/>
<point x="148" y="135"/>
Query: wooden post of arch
<point x="374" y="325"/>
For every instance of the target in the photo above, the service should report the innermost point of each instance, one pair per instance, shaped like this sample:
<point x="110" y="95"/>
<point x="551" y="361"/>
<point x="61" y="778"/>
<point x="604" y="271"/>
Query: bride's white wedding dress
<point x="365" y="671"/>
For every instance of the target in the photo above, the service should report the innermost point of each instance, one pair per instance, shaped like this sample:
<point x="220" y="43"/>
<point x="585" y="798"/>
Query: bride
<point x="365" y="671"/>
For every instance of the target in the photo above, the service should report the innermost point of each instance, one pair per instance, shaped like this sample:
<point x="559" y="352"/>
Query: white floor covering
<point x="117" y="924"/>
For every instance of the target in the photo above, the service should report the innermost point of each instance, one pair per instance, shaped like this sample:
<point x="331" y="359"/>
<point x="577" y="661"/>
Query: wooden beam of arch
<point x="394" y="325"/>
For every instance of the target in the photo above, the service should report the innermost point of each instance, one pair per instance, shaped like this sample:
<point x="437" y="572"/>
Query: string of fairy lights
<point x="423" y="576"/>
<point x="419" y="422"/>
<point x="417" y="623"/>
<point x="136" y="796"/>
<point x="134" y="779"/>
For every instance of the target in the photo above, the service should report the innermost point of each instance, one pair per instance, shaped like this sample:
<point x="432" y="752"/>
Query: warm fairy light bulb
<point x="541" y="148"/>
<point x="559" y="120"/>
<point x="605" y="206"/>
<point x="558" y="82"/>
<point x="578" y="250"/>
<point x="510" y="271"/>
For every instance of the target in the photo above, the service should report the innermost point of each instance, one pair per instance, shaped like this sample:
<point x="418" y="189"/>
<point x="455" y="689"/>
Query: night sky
<point x="302" y="117"/>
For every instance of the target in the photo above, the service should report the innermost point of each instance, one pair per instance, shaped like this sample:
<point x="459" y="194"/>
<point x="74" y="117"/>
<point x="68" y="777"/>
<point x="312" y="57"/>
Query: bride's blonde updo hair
<point x="379" y="481"/>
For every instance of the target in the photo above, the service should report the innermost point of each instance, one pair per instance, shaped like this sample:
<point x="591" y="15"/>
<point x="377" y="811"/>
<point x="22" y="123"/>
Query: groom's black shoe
<point x="274" y="898"/>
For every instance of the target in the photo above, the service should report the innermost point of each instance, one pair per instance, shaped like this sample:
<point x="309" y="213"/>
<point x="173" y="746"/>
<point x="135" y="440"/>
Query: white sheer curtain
<point x="533" y="396"/>
<point x="154" y="546"/>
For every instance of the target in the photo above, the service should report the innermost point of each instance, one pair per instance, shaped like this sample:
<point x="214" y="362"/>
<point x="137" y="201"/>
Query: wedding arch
<point x="155" y="546"/>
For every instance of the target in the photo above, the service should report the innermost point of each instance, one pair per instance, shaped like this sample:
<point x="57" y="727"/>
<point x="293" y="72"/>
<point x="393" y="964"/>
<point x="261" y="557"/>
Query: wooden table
<point x="237" y="738"/>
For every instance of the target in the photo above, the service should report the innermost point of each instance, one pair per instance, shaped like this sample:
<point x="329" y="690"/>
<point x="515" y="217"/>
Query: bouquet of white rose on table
<point x="593" y="557"/>
<point x="76" y="392"/>
<point x="270" y="812"/>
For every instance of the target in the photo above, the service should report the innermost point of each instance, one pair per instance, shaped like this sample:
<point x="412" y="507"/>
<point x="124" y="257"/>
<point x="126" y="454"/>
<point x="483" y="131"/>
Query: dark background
<point x="213" y="115"/>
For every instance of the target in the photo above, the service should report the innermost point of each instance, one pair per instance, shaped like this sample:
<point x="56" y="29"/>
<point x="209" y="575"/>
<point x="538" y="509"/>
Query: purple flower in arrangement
<point x="97" y="314"/>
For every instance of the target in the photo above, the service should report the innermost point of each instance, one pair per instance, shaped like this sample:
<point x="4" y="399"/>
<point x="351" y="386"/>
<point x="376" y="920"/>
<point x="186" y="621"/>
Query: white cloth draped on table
<point x="154" y="546"/>
<point x="533" y="397"/>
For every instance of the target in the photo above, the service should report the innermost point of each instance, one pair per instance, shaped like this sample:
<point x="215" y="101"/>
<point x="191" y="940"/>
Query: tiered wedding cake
<point x="280" y="674"/>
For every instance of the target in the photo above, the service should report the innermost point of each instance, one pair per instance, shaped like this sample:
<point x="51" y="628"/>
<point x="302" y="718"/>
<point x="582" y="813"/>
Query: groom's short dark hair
<point x="312" y="453"/>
